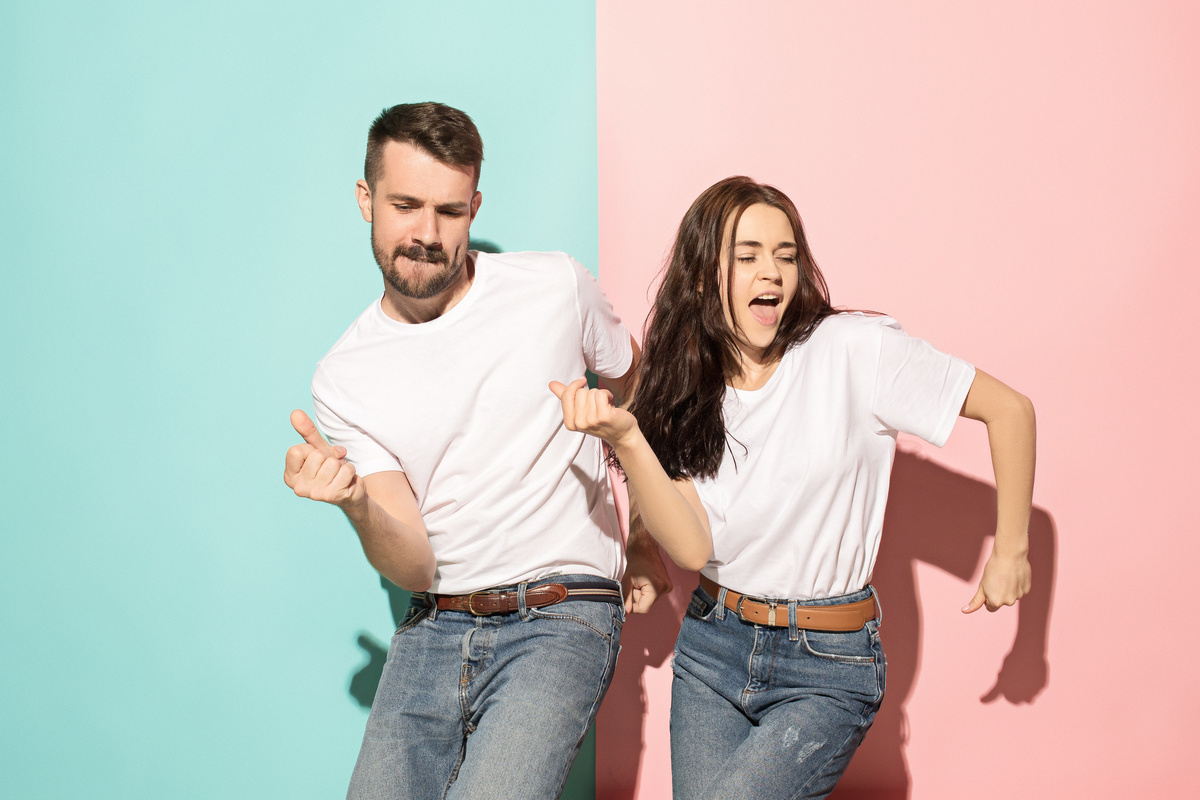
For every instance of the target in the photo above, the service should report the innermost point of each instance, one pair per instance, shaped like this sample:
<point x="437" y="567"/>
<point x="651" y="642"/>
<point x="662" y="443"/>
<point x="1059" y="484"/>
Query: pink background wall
<point x="1019" y="183"/>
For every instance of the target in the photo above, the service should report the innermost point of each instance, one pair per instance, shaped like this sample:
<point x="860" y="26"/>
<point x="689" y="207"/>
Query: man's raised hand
<point x="318" y="470"/>
<point x="592" y="411"/>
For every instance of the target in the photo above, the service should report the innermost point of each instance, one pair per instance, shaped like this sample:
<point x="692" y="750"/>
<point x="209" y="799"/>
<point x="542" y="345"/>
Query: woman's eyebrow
<point x="752" y="243"/>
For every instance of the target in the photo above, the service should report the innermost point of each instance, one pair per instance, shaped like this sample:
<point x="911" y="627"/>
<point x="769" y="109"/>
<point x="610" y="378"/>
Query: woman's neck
<point x="754" y="373"/>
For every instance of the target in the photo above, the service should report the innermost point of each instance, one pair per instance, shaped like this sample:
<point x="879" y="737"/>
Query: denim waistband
<point x="575" y="582"/>
<point x="852" y="597"/>
<point x="790" y="605"/>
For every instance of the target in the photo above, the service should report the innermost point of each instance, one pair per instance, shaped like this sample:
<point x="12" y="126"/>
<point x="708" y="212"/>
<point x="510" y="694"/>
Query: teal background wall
<point x="180" y="244"/>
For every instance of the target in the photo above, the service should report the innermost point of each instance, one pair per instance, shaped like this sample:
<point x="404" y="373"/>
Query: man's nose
<point x="426" y="232"/>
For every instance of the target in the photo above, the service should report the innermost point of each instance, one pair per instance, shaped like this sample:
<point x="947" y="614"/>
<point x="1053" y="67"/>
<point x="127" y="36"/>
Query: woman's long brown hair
<point x="689" y="350"/>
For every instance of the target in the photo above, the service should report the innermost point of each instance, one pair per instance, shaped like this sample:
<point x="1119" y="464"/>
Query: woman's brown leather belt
<point x="843" y="617"/>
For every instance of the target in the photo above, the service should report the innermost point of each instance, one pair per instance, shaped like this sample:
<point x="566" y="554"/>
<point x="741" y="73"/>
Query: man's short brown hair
<point x="443" y="132"/>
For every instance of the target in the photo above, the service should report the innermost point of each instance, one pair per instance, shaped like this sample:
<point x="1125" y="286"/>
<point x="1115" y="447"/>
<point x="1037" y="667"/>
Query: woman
<point x="758" y="449"/>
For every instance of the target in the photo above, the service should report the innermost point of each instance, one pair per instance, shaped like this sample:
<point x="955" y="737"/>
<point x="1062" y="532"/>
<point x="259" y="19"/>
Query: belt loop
<point x="721" y="603"/>
<point x="521" y="609"/>
<point x="878" y="606"/>
<point x="793" y="630"/>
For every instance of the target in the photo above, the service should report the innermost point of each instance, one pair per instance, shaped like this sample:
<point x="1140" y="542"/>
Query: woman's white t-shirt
<point x="461" y="405"/>
<point x="797" y="506"/>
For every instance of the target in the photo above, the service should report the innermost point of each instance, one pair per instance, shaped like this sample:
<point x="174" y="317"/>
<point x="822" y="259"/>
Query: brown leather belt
<point x="843" y="617"/>
<point x="505" y="601"/>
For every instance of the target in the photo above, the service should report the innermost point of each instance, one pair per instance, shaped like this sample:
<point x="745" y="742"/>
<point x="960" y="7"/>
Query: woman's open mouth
<point x="765" y="308"/>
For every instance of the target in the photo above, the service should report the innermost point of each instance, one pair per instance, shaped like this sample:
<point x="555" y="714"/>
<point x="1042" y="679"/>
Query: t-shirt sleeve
<point x="713" y="498"/>
<point x="365" y="453"/>
<point x="918" y="389"/>
<point x="606" y="347"/>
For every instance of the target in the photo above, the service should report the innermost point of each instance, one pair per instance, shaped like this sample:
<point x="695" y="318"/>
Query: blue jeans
<point x="764" y="712"/>
<point x="470" y="707"/>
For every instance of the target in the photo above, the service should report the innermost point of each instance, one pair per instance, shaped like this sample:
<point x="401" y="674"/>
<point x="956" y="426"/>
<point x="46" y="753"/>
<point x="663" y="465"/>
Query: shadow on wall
<point x="945" y="519"/>
<point x="364" y="682"/>
<point x="484" y="246"/>
<point x="646" y="641"/>
<point x="935" y="516"/>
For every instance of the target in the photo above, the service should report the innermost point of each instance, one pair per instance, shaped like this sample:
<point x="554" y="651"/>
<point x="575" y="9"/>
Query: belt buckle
<point x="770" y="604"/>
<point x="471" y="604"/>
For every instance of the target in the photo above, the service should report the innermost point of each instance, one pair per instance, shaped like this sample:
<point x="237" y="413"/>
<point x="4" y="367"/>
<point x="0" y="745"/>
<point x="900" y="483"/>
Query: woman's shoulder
<point x="850" y="328"/>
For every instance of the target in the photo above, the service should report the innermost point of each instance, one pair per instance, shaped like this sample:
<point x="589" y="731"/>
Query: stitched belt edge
<point x="504" y="601"/>
<point x="839" y="618"/>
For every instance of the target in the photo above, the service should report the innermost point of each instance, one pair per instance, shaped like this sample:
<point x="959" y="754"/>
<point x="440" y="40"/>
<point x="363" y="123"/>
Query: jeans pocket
<point x="412" y="617"/>
<point x="701" y="606"/>
<point x="600" y="617"/>
<point x="850" y="647"/>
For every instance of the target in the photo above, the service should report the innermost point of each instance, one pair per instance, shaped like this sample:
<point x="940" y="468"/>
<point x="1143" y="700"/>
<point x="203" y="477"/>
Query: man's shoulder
<point x="536" y="275"/>
<point x="528" y="260"/>
<point x="360" y="332"/>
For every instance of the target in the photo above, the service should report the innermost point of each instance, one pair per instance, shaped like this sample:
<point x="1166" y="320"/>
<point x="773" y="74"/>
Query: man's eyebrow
<point x="457" y="205"/>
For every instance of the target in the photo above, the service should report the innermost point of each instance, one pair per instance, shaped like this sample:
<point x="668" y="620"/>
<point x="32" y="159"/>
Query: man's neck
<point x="413" y="311"/>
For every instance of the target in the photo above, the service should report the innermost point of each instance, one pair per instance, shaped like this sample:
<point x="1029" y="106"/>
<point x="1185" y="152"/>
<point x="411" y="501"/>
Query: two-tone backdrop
<point x="1017" y="182"/>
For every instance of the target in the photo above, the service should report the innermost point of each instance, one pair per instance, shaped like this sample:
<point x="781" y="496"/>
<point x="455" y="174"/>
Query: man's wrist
<point x="356" y="508"/>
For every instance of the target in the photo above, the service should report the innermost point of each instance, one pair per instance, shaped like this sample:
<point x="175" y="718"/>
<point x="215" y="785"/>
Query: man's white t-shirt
<point x="797" y="505"/>
<point x="460" y="404"/>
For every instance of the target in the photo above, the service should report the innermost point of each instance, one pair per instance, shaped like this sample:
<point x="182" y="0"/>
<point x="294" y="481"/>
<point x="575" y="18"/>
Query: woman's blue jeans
<point x="768" y="712"/>
<point x="478" y="708"/>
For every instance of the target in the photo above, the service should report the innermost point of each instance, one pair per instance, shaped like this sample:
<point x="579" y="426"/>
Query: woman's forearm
<point x="1012" y="437"/>
<point x="670" y="510"/>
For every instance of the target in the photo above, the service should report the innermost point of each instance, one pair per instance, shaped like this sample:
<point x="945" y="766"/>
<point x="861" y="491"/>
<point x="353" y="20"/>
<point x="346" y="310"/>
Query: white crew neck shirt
<point x="460" y="404"/>
<point x="797" y="506"/>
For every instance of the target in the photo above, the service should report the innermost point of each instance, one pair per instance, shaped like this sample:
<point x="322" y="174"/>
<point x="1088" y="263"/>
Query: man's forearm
<point x="399" y="552"/>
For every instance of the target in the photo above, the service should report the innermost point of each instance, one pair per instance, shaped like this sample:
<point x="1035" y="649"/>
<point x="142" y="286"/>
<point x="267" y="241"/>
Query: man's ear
<point x="476" y="201"/>
<point x="363" y="193"/>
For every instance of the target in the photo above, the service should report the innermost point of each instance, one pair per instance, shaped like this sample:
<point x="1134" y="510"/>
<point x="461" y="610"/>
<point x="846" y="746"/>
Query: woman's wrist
<point x="1011" y="544"/>
<point x="628" y="442"/>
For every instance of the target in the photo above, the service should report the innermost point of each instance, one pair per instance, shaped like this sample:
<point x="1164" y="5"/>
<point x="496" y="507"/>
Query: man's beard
<point x="431" y="284"/>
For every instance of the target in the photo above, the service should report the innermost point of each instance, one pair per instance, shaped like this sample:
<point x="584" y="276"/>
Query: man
<point x="449" y="457"/>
